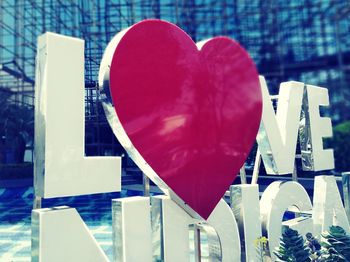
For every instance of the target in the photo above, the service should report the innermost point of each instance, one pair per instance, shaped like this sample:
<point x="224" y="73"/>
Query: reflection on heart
<point x="191" y="111"/>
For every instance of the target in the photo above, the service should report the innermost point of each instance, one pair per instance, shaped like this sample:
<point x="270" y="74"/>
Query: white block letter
<point x="132" y="238"/>
<point x="278" y="133"/>
<point x="245" y="207"/>
<point x="321" y="127"/>
<point x="59" y="234"/>
<point x="275" y="201"/>
<point x="171" y="225"/>
<point x="60" y="166"/>
<point x="328" y="207"/>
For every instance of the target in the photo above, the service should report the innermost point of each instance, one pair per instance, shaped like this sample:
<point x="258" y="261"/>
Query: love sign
<point x="187" y="114"/>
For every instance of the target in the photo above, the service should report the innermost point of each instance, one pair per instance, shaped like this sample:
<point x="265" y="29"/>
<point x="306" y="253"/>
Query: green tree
<point x="335" y="245"/>
<point x="292" y="247"/>
<point x="341" y="145"/>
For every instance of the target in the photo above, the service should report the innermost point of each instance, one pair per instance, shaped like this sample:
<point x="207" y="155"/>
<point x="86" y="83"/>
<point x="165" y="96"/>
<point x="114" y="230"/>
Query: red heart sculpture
<point x="192" y="114"/>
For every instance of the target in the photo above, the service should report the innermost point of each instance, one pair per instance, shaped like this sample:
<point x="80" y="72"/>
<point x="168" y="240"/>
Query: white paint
<point x="175" y="230"/>
<point x="321" y="127"/>
<point x="225" y="225"/>
<point x="245" y="207"/>
<point x="173" y="222"/>
<point x="278" y="133"/>
<point x="276" y="199"/>
<point x="59" y="234"/>
<point x="328" y="207"/>
<point x="60" y="166"/>
<point x="132" y="237"/>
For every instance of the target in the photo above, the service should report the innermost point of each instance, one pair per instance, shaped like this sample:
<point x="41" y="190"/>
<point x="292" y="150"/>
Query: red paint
<point x="193" y="115"/>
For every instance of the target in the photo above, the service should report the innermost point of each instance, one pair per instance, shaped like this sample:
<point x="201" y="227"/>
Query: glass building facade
<point x="304" y="40"/>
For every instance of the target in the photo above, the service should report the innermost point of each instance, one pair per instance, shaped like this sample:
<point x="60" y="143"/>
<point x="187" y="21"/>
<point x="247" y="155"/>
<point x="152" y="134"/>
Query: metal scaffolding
<point x="303" y="40"/>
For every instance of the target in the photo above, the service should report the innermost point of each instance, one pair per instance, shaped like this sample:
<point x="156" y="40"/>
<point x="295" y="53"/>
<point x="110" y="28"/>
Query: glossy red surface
<point x="193" y="115"/>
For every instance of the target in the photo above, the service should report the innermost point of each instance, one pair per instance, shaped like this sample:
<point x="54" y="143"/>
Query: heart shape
<point x="190" y="112"/>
